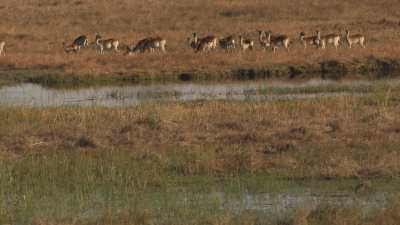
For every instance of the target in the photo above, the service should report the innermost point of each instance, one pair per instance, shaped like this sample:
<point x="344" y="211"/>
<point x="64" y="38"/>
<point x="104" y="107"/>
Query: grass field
<point x="168" y="162"/>
<point x="135" y="165"/>
<point x="35" y="30"/>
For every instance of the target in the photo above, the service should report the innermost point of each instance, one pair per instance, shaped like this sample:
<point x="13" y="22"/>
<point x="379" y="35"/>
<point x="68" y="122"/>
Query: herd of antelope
<point x="148" y="44"/>
<point x="203" y="44"/>
<point x="268" y="40"/>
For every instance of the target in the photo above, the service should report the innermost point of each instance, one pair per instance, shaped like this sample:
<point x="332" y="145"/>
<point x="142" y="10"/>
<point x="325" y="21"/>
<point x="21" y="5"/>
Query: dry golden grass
<point x="327" y="137"/>
<point x="34" y="31"/>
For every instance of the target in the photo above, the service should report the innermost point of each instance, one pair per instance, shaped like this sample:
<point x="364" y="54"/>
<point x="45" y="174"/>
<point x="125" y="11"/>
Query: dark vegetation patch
<point x="85" y="142"/>
<point x="278" y="148"/>
<point x="55" y="75"/>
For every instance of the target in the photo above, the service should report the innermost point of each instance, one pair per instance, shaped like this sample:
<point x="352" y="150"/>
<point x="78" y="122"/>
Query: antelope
<point x="2" y="44"/>
<point x="76" y="45"/>
<point x="81" y="41"/>
<point x="354" y="39"/>
<point x="227" y="43"/>
<point x="193" y="42"/>
<point x="279" y="40"/>
<point x="142" y="46"/>
<point x="312" y="40"/>
<point x="149" y="44"/>
<point x="333" y="39"/>
<point x="71" y="48"/>
<point x="206" y="44"/>
<point x="107" y="44"/>
<point x="156" y="43"/>
<point x="203" y="44"/>
<point x="262" y="38"/>
<point x="246" y="44"/>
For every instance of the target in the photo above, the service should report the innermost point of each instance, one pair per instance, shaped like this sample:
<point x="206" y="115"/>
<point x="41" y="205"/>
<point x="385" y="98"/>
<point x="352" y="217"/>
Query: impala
<point x="311" y="40"/>
<point x="203" y="44"/>
<point x="71" y="48"/>
<point x="278" y="40"/>
<point x="81" y="41"/>
<point x="156" y="43"/>
<point x="227" y="43"/>
<point x="262" y="38"/>
<point x="2" y="45"/>
<point x="355" y="39"/>
<point x="149" y="44"/>
<point x="333" y="39"/>
<point x="107" y="44"/>
<point x="77" y="44"/>
<point x="246" y="44"/>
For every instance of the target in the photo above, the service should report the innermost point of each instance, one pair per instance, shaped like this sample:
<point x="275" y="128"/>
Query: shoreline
<point x="375" y="67"/>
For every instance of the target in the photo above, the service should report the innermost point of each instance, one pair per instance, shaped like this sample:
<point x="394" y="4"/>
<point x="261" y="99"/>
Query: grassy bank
<point x="370" y="67"/>
<point x="34" y="50"/>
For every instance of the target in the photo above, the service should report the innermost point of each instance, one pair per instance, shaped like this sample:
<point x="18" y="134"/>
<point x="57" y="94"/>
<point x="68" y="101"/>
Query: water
<point x="188" y="204"/>
<point x="287" y="203"/>
<point x="36" y="95"/>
